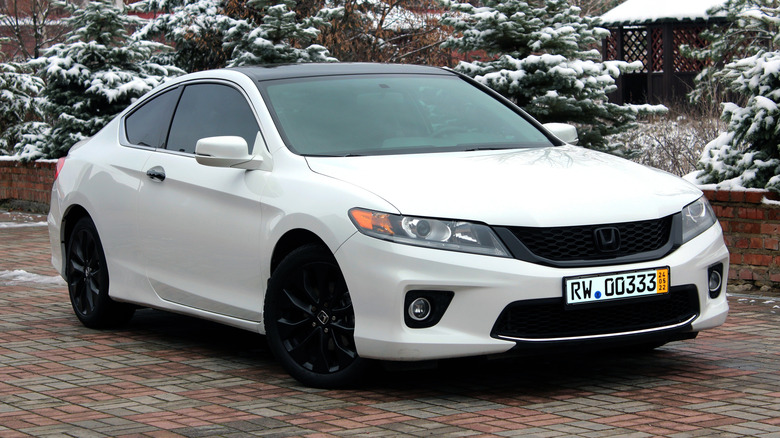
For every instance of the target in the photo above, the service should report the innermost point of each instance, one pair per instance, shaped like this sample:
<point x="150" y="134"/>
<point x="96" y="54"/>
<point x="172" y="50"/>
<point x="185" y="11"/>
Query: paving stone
<point x="167" y="376"/>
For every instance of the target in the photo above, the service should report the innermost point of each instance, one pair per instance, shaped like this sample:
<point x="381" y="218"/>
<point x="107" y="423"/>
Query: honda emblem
<point x="607" y="239"/>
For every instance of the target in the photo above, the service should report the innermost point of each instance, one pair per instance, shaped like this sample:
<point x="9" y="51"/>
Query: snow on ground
<point x="20" y="276"/>
<point x="22" y="224"/>
<point x="643" y="11"/>
<point x="20" y="217"/>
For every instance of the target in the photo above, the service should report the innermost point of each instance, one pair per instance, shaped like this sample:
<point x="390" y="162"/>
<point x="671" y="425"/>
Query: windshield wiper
<point x="489" y="148"/>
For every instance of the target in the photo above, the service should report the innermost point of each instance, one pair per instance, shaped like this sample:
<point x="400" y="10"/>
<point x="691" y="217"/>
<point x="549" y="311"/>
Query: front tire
<point x="86" y="272"/>
<point x="310" y="321"/>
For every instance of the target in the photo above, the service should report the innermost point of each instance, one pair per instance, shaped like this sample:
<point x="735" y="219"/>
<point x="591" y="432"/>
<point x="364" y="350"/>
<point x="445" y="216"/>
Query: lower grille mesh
<point x="543" y="319"/>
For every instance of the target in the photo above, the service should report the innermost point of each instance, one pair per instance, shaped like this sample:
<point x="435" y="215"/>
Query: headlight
<point x="431" y="233"/>
<point x="697" y="217"/>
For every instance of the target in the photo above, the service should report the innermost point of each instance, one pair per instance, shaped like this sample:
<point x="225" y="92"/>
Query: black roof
<point x="285" y="71"/>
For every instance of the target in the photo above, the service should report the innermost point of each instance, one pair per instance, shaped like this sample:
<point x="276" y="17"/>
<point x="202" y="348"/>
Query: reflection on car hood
<point x="553" y="186"/>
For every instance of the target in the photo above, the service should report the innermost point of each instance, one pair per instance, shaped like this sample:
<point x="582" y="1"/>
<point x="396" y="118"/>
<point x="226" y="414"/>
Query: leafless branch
<point x="31" y="26"/>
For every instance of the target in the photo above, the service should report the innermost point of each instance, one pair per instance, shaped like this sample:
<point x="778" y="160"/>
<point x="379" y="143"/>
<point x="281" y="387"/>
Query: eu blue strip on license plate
<point x="616" y="285"/>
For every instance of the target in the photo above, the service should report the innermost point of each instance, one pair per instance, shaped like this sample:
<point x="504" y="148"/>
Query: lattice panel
<point x="610" y="47"/>
<point x="657" y="49"/>
<point x="688" y="36"/>
<point x="635" y="46"/>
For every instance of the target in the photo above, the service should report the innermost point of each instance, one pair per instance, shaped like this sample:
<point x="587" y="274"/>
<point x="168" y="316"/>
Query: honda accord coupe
<point x="359" y="212"/>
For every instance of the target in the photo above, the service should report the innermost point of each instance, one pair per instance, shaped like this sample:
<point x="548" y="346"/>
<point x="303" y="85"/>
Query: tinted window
<point x="209" y="110"/>
<point x="148" y="125"/>
<point x="394" y="114"/>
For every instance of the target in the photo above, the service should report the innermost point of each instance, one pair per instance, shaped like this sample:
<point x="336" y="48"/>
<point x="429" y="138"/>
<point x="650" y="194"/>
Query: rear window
<point x="148" y="125"/>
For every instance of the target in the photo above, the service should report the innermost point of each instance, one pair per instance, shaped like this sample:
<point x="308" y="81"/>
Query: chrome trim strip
<point x="607" y="335"/>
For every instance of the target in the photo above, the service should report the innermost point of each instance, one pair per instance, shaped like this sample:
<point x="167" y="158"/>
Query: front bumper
<point x="380" y="273"/>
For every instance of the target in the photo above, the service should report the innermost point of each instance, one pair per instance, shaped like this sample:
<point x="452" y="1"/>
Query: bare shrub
<point x="673" y="142"/>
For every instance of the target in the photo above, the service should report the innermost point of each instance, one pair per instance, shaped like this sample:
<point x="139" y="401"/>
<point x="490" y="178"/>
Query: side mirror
<point x="226" y="151"/>
<point x="563" y="131"/>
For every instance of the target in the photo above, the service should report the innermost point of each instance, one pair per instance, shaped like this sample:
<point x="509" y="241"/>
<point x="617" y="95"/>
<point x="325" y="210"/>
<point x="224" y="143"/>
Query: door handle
<point x="156" y="173"/>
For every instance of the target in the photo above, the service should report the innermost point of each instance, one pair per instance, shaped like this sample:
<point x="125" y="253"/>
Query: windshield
<point x="393" y="114"/>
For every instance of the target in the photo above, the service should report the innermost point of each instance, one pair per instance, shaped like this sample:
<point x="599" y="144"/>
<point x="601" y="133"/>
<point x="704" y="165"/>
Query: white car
<point x="357" y="211"/>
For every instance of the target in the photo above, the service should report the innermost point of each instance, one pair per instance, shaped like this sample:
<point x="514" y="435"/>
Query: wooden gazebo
<point x="652" y="32"/>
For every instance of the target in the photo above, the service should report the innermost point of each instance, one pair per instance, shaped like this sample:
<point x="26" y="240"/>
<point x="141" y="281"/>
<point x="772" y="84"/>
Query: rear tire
<point x="310" y="321"/>
<point x="86" y="272"/>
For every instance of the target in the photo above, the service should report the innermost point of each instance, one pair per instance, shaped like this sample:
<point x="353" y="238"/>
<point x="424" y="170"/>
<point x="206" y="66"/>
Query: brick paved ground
<point x="166" y="375"/>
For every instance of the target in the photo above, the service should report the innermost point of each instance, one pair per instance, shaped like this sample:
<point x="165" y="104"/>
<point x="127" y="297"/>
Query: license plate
<point x="615" y="286"/>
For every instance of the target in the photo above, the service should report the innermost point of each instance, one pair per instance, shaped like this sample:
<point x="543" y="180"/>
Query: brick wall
<point x="27" y="181"/>
<point x="751" y="228"/>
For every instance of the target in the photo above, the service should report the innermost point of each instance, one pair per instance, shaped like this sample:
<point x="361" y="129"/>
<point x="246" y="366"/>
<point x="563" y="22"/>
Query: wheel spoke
<point x="302" y="352"/>
<point x="289" y="330"/>
<point x="311" y="285"/>
<point x="77" y="255"/>
<point x="346" y="330"/>
<point x="77" y="266"/>
<point x="77" y="288"/>
<point x="344" y="354"/>
<point x="297" y="302"/>
<point x="96" y="267"/>
<point x="344" y="311"/>
<point x="321" y="360"/>
<point x="91" y="290"/>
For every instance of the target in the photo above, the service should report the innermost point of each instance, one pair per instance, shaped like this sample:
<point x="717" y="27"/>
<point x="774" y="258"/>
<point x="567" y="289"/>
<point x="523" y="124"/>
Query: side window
<point x="209" y="110"/>
<point x="148" y="125"/>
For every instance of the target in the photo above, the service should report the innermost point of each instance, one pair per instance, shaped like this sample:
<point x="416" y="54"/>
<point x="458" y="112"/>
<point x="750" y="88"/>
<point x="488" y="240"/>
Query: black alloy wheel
<point x="310" y="321"/>
<point x="86" y="272"/>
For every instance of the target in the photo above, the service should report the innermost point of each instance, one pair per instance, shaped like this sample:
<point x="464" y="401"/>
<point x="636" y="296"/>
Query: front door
<point x="200" y="225"/>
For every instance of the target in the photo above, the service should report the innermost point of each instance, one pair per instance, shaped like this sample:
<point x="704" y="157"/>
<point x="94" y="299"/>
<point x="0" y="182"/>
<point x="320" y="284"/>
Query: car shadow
<point x="186" y="332"/>
<point x="540" y="374"/>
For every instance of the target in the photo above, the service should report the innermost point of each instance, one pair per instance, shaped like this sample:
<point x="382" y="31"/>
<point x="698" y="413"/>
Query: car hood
<point x="555" y="186"/>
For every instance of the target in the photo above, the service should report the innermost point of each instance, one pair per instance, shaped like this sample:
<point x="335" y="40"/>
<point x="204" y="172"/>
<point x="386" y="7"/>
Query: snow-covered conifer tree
<point x="747" y="31"/>
<point x="196" y="28"/>
<point x="281" y="36"/>
<point x="93" y="75"/>
<point x="748" y="153"/>
<point x="18" y="104"/>
<point x="215" y="33"/>
<point x="540" y="54"/>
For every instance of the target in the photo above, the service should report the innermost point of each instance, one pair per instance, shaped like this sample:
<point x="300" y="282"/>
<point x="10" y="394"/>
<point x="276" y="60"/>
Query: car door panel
<point x="200" y="236"/>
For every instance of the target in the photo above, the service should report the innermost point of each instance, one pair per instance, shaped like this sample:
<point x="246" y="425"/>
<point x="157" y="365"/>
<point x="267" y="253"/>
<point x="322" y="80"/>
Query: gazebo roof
<point x="660" y="11"/>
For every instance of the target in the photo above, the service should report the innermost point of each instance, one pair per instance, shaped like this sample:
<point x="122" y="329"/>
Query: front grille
<point x="547" y="318"/>
<point x="578" y="242"/>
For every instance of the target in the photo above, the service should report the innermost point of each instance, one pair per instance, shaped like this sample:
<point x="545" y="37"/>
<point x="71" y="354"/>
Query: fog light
<point x="715" y="280"/>
<point x="420" y="309"/>
<point x="425" y="308"/>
